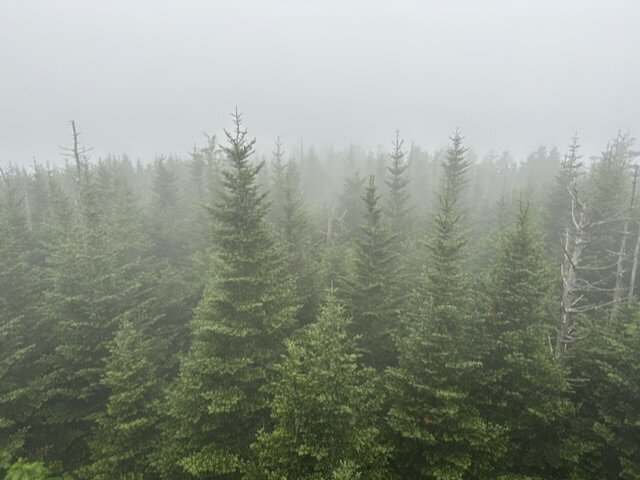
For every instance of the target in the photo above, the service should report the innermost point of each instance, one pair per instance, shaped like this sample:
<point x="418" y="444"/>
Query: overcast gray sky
<point x="147" y="77"/>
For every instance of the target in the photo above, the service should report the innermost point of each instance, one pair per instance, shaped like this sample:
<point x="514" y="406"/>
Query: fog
<point x="147" y="77"/>
<point x="414" y="254"/>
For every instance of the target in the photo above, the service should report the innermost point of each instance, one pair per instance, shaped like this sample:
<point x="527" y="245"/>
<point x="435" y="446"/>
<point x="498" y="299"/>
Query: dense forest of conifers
<point x="322" y="315"/>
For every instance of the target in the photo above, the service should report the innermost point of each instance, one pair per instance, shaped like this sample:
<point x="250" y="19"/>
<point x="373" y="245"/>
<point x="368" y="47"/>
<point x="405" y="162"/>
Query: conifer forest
<point x="228" y="316"/>
<point x="257" y="307"/>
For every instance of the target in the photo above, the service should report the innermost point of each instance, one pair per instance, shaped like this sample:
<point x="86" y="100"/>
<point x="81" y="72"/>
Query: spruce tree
<point x="298" y="242"/>
<point x="95" y="274"/>
<point x="218" y="403"/>
<point x="371" y="294"/>
<point x="440" y="431"/>
<point x="350" y="208"/>
<point x="607" y="200"/>
<point x="22" y="334"/>
<point x="201" y="192"/>
<point x="607" y="363"/>
<point x="557" y="213"/>
<point x="323" y="409"/>
<point x="398" y="190"/>
<point x="526" y="391"/>
<point x="445" y="276"/>
<point x="166" y="218"/>
<point x="290" y="218"/>
<point x="278" y="184"/>
<point x="126" y="429"/>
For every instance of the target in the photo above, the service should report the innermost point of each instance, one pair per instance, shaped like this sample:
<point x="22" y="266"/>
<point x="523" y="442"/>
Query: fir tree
<point x="126" y="429"/>
<point x="202" y="192"/>
<point x="526" y="393"/>
<point x="607" y="201"/>
<point x="296" y="233"/>
<point x="94" y="275"/>
<point x="290" y="218"/>
<point x="557" y="213"/>
<point x="22" y="333"/>
<point x="607" y="363"/>
<point x="447" y="242"/>
<point x="372" y="295"/>
<point x="218" y="403"/>
<point x="166" y="215"/>
<point x="278" y="185"/>
<point x="350" y="208"/>
<point x="323" y="409"/>
<point x="440" y="431"/>
<point x="399" y="194"/>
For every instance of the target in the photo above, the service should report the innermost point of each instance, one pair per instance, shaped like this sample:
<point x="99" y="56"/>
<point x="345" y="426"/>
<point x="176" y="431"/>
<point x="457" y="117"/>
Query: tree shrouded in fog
<point x="166" y="320"/>
<point x="440" y="430"/>
<point x="238" y="329"/>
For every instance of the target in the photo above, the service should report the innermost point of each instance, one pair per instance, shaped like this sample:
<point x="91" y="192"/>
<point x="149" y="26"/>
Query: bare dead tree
<point x="575" y="288"/>
<point x="330" y="222"/>
<point x="573" y="249"/>
<point x="79" y="153"/>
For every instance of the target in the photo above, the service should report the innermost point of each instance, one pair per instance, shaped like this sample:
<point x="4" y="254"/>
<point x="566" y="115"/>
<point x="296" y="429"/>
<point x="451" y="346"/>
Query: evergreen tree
<point x="166" y="216"/>
<point x="94" y="275"/>
<point x="218" y="403"/>
<point x="323" y="409"/>
<point x="278" y="185"/>
<point x="557" y="213"/>
<point x="351" y="209"/>
<point x="607" y="200"/>
<point x="527" y="394"/>
<point x="440" y="431"/>
<point x="446" y="282"/>
<point x="24" y="470"/>
<point x="298" y="243"/>
<point x="290" y="218"/>
<point x="21" y="331"/>
<point x="607" y="362"/>
<point x="200" y="193"/>
<point x="126" y="429"/>
<point x="399" y="194"/>
<point x="372" y="295"/>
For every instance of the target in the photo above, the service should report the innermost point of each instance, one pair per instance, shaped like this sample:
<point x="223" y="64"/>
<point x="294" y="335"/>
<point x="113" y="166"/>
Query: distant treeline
<point x="400" y="315"/>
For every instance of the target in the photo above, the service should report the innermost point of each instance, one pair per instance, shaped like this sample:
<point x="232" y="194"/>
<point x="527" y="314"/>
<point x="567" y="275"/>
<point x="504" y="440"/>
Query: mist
<point x="249" y="240"/>
<point x="147" y="77"/>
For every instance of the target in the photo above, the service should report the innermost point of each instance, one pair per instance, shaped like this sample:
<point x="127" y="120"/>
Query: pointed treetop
<point x="240" y="147"/>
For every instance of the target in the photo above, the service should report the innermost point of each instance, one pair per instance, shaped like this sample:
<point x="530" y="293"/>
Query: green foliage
<point x="19" y="326"/>
<point x="166" y="218"/>
<point x="439" y="430"/>
<point x="217" y="403"/>
<point x="607" y="196"/>
<point x="323" y="409"/>
<point x="372" y="293"/>
<point x="350" y="208"/>
<point x="448" y="239"/>
<point x="117" y="363"/>
<point x="398" y="197"/>
<point x="24" y="470"/>
<point x="557" y="213"/>
<point x="608" y="363"/>
<point x="526" y="391"/>
<point x="126" y="429"/>
<point x="291" y="220"/>
<point x="94" y="274"/>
